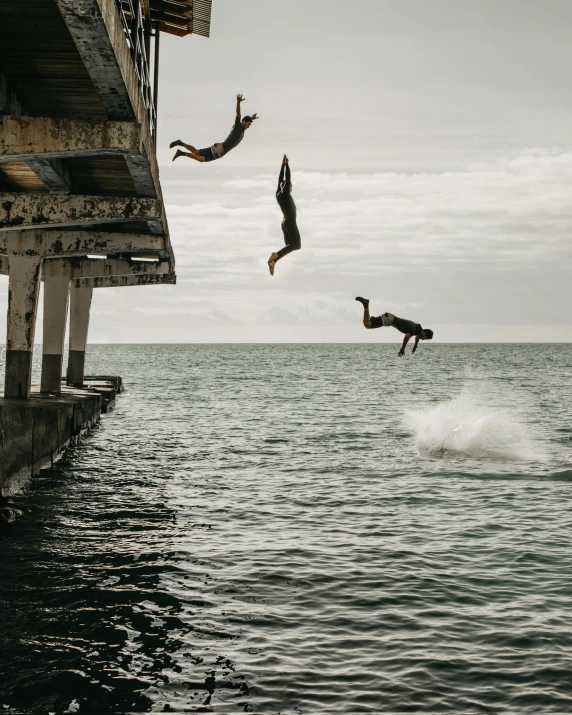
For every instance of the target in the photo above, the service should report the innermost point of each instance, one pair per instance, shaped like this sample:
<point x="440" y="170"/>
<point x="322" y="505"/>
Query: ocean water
<point x="301" y="529"/>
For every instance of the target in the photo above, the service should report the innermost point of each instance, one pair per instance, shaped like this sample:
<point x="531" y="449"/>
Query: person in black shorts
<point x="408" y="327"/>
<point x="289" y="227"/>
<point x="216" y="151"/>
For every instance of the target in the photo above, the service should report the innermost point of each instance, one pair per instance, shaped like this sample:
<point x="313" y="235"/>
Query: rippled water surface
<point x="301" y="529"/>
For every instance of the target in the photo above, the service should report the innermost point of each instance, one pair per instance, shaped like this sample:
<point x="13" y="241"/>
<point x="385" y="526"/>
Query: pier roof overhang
<point x="70" y="69"/>
<point x="47" y="72"/>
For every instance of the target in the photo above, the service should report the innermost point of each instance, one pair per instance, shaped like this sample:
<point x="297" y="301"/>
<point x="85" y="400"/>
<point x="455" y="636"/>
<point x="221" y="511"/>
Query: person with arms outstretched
<point x="289" y="227"/>
<point x="216" y="151"/>
<point x="408" y="327"/>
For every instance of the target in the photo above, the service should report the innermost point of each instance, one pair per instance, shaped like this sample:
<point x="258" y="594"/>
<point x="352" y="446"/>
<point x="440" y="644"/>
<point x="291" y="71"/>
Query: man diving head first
<point x="408" y="327"/>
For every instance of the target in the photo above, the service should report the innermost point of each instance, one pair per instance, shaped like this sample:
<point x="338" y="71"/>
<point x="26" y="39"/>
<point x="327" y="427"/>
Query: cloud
<point x="514" y="212"/>
<point x="488" y="246"/>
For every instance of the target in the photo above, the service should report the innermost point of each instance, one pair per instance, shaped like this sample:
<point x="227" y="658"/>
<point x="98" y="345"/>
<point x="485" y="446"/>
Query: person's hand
<point x="285" y="159"/>
<point x="401" y="353"/>
<point x="254" y="116"/>
<point x="240" y="98"/>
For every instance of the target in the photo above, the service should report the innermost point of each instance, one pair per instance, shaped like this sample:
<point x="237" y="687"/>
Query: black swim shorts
<point x="207" y="153"/>
<point x="376" y="322"/>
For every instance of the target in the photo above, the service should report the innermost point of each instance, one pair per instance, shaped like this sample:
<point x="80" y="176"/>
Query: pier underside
<point x="81" y="205"/>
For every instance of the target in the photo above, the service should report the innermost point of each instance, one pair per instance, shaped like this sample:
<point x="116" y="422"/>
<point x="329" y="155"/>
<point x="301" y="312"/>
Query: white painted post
<point x="23" y="288"/>
<point x="56" y="292"/>
<point x="81" y="291"/>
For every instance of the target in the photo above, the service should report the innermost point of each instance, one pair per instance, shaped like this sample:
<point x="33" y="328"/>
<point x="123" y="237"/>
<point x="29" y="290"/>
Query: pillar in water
<point x="56" y="292"/>
<point x="81" y="291"/>
<point x="23" y="289"/>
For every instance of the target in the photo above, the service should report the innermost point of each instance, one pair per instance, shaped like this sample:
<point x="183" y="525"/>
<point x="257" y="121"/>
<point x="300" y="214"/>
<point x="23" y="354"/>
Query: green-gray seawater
<point x="301" y="529"/>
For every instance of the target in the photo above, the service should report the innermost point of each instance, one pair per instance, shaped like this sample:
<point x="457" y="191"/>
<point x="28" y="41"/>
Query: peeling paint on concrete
<point x="140" y="280"/>
<point x="79" y="243"/>
<point x="48" y="138"/>
<point x="89" y="32"/>
<point x="86" y="268"/>
<point x="23" y="291"/>
<point x="52" y="210"/>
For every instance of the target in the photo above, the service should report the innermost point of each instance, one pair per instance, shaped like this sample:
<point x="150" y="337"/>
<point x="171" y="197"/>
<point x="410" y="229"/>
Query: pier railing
<point x="134" y="26"/>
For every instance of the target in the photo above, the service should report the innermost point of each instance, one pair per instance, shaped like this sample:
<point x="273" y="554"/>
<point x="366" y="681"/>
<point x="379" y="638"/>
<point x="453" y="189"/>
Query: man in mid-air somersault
<point x="218" y="150"/>
<point x="408" y="327"/>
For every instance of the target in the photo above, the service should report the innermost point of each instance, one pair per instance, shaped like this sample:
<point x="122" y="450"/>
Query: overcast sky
<point x="431" y="151"/>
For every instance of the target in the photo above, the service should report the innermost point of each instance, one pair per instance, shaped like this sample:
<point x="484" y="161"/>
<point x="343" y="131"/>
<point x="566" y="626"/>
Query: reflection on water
<point x="254" y="529"/>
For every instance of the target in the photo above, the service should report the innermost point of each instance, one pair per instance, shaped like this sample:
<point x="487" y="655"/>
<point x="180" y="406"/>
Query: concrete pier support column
<point x="56" y="292"/>
<point x="81" y="291"/>
<point x="23" y="289"/>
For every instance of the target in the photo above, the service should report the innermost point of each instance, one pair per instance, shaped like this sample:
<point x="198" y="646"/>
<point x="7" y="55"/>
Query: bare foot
<point x="272" y="262"/>
<point x="178" y="153"/>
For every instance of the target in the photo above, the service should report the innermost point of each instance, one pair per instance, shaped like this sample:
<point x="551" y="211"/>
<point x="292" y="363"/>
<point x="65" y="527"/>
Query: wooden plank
<point x="18" y="176"/>
<point x="102" y="175"/>
<point x="40" y="60"/>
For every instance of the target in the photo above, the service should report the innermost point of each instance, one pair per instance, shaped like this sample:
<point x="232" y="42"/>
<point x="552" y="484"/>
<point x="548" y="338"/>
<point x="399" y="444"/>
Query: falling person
<point x="216" y="151"/>
<point x="289" y="227"/>
<point x="408" y="327"/>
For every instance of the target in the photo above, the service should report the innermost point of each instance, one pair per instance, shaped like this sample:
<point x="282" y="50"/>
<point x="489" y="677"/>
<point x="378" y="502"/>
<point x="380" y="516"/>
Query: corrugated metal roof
<point x="182" y="17"/>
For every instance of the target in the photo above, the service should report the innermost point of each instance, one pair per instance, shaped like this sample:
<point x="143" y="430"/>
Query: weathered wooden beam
<point x="93" y="268"/>
<point x="53" y="244"/>
<point x="22" y="138"/>
<point x="52" y="173"/>
<point x="95" y="44"/>
<point x="139" y="168"/>
<point x="27" y="211"/>
<point x="141" y="280"/>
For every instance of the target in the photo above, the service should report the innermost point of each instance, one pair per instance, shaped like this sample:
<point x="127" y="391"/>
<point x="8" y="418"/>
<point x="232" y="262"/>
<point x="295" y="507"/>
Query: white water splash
<point x="468" y="425"/>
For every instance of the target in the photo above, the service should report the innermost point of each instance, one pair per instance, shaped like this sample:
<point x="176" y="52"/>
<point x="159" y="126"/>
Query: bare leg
<point x="366" y="315"/>
<point x="196" y="157"/>
<point x="292" y="243"/>
<point x="178" y="142"/>
<point x="290" y="248"/>
<point x="272" y="262"/>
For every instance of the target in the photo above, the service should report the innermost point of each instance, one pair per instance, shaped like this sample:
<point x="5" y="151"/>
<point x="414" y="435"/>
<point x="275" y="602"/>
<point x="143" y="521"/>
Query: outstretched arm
<point x="401" y="353"/>
<point x="281" y="175"/>
<point x="288" y="184"/>
<point x="416" y="343"/>
<point x="239" y="99"/>
<point x="280" y="179"/>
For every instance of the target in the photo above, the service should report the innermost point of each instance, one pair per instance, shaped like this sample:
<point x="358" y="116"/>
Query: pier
<point x="81" y="206"/>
